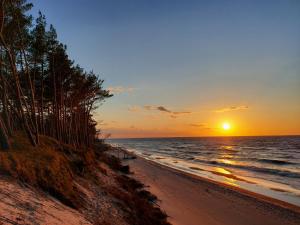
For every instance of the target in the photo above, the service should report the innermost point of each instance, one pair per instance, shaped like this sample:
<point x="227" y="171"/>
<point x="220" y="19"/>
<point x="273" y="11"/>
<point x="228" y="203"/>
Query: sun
<point x="226" y="126"/>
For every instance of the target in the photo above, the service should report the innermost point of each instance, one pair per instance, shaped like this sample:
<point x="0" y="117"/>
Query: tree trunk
<point x="18" y="92"/>
<point x="4" y="142"/>
<point x="4" y="98"/>
<point x="42" y="100"/>
<point x="31" y="87"/>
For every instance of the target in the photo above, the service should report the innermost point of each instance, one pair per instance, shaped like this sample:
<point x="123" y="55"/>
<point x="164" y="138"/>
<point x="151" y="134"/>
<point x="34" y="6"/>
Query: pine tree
<point x="42" y="91"/>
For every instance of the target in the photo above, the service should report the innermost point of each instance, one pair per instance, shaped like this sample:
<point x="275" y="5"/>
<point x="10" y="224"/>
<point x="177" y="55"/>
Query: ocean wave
<point x="275" y="161"/>
<point x="278" y="172"/>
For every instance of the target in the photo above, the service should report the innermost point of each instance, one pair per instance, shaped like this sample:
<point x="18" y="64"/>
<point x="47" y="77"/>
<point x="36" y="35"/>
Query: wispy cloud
<point x="232" y="108"/>
<point x="183" y="112"/>
<point x="197" y="124"/>
<point x="134" y="108"/>
<point x="164" y="109"/>
<point x="149" y="107"/>
<point x="202" y="126"/>
<point x="107" y="123"/>
<point x="120" y="89"/>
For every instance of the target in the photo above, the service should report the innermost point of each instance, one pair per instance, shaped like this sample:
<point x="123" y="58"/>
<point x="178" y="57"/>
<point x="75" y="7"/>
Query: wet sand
<point x="191" y="200"/>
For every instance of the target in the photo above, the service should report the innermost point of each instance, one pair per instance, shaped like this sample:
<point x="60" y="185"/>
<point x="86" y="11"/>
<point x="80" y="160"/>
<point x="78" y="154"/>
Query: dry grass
<point x="53" y="167"/>
<point x="138" y="203"/>
<point x="113" y="162"/>
<point x="50" y="166"/>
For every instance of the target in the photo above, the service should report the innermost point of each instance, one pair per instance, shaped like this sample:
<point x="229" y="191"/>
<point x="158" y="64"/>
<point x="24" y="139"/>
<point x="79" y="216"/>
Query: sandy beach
<point x="191" y="200"/>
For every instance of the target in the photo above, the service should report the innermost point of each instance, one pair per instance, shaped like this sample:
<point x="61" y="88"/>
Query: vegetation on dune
<point x="48" y="137"/>
<point x="51" y="167"/>
<point x="139" y="204"/>
<point x="55" y="168"/>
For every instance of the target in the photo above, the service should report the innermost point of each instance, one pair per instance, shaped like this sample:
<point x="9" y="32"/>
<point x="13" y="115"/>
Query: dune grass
<point x="141" y="204"/>
<point x="50" y="166"/>
<point x="53" y="168"/>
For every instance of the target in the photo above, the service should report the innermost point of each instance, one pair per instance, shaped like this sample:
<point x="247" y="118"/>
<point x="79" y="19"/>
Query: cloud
<point x="197" y="125"/>
<point x="165" y="110"/>
<point x="107" y="123"/>
<point x="120" y="89"/>
<point x="178" y="113"/>
<point x="134" y="108"/>
<point x="232" y="108"/>
<point x="149" y="107"/>
<point x="202" y="126"/>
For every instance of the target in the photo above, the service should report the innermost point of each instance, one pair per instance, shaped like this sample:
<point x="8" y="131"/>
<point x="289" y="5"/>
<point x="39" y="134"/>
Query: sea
<point x="265" y="165"/>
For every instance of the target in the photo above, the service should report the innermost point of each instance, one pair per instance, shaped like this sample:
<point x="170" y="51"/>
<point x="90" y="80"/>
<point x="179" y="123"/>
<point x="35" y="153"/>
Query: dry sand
<point x="21" y="204"/>
<point x="24" y="205"/>
<point x="190" y="200"/>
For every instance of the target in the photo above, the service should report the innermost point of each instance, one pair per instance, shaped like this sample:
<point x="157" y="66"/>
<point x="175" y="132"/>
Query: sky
<point x="184" y="68"/>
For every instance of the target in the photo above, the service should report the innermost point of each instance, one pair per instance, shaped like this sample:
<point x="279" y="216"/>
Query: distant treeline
<point x="42" y="92"/>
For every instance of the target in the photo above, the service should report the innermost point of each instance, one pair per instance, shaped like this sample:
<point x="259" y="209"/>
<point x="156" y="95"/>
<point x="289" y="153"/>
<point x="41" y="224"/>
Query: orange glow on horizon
<point x="140" y="125"/>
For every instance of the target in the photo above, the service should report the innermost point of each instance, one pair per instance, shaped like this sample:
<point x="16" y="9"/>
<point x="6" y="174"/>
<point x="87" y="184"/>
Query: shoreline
<point x="262" y="197"/>
<point x="190" y="191"/>
<point x="235" y="177"/>
<point x="259" y="196"/>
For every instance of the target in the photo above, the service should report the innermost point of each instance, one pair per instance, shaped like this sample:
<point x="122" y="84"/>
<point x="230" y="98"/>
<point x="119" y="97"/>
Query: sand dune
<point x="23" y="205"/>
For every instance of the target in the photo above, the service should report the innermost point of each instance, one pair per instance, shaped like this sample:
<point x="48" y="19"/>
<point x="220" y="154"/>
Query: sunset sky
<point x="183" y="68"/>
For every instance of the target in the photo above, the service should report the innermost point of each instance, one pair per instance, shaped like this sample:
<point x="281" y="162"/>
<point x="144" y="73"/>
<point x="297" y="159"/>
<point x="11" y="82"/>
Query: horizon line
<point x="211" y="136"/>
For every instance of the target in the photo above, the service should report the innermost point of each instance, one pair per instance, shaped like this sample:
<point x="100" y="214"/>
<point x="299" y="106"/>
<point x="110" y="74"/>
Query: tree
<point x="42" y="92"/>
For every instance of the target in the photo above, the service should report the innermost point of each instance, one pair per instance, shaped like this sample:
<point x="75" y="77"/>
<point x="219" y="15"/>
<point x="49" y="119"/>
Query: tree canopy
<point x="42" y="91"/>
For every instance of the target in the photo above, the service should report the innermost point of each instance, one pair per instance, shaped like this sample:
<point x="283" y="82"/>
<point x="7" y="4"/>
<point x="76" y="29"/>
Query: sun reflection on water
<point x="227" y="175"/>
<point x="231" y="181"/>
<point x="227" y="158"/>
<point x="227" y="161"/>
<point x="222" y="171"/>
<point x="227" y="147"/>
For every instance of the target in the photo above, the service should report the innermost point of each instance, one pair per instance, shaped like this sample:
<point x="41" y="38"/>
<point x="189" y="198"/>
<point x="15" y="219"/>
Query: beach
<point x="192" y="200"/>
